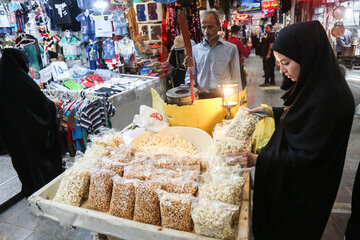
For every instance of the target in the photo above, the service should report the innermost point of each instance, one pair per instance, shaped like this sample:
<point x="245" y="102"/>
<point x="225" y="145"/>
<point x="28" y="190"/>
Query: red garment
<point x="243" y="51"/>
<point x="95" y="78"/>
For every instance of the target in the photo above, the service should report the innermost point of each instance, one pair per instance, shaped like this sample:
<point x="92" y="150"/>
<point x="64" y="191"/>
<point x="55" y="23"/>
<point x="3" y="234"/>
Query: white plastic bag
<point x="150" y="119"/>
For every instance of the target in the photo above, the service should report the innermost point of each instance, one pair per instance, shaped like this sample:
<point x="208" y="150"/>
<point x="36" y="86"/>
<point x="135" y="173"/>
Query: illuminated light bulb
<point x="102" y="4"/>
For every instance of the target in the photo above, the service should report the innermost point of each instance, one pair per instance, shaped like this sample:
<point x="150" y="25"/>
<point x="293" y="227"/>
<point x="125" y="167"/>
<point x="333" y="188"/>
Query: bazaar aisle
<point x="18" y="223"/>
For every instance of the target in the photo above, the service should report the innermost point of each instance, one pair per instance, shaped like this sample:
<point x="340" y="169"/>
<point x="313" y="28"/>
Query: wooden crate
<point x="41" y="204"/>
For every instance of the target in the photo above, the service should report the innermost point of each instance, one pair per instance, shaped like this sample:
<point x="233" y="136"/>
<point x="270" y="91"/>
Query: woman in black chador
<point x="27" y="124"/>
<point x="299" y="171"/>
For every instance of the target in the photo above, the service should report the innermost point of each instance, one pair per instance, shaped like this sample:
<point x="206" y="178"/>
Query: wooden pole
<point x="292" y="12"/>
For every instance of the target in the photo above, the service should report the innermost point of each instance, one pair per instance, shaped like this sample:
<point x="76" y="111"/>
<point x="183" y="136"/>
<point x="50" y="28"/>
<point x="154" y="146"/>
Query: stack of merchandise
<point x="160" y="180"/>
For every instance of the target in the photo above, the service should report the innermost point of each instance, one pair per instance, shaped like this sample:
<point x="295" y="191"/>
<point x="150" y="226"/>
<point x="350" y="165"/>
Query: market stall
<point x="151" y="181"/>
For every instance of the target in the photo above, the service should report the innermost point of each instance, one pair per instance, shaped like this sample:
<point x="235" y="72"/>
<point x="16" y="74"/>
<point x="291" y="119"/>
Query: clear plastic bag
<point x="123" y="198"/>
<point x="243" y="125"/>
<point x="175" y="210"/>
<point x="101" y="183"/>
<point x="109" y="164"/>
<point x="141" y="172"/>
<point x="214" y="219"/>
<point x="147" y="207"/>
<point x="122" y="153"/>
<point x="180" y="185"/>
<point x="223" y="188"/>
<point x="74" y="186"/>
<point x="107" y="138"/>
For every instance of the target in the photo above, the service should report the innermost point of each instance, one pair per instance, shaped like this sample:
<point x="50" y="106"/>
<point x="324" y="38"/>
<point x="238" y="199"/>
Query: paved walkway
<point x="17" y="223"/>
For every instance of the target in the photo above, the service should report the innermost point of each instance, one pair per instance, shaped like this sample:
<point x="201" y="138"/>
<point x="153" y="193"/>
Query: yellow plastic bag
<point x="203" y="114"/>
<point x="262" y="134"/>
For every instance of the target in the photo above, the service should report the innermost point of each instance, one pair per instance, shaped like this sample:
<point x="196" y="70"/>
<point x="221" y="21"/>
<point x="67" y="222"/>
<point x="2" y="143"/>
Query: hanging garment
<point x="87" y="27"/>
<point x="152" y="9"/>
<point x="103" y="25"/>
<point x="120" y="24"/>
<point x="133" y="25"/>
<point x="28" y="124"/>
<point x="140" y="10"/>
<point x="86" y="4"/>
<point x="126" y="48"/>
<point x="92" y="50"/>
<point x="70" y="46"/>
<point x="108" y="49"/>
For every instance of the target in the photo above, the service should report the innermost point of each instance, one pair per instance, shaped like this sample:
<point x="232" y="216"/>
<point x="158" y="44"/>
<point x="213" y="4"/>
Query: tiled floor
<point x="17" y="223"/>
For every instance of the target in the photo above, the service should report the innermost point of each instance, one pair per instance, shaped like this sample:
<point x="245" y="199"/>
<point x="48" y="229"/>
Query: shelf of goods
<point x="42" y="203"/>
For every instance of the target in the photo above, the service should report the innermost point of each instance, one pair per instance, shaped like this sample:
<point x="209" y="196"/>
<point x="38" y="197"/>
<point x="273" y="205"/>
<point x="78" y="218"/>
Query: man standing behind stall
<point x="215" y="59"/>
<point x="268" y="57"/>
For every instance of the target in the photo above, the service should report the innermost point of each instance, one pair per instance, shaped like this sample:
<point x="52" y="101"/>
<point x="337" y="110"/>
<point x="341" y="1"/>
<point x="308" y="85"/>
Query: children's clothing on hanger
<point x="92" y="50"/>
<point x="71" y="47"/>
<point x="120" y="24"/>
<point x="87" y="27"/>
<point x="126" y="48"/>
<point x="108" y="49"/>
<point x="103" y="25"/>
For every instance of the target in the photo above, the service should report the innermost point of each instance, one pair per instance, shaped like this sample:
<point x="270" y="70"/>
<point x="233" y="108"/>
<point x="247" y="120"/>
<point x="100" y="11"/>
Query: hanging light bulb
<point x="101" y="4"/>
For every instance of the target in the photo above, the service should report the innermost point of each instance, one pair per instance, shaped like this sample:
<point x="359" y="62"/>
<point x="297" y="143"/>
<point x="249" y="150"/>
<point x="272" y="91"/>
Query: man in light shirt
<point x="215" y="59"/>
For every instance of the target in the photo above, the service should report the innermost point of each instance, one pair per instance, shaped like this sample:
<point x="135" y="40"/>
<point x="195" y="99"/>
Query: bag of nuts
<point x="147" y="208"/>
<point x="223" y="188"/>
<point x="101" y="183"/>
<point x="141" y="172"/>
<point x="180" y="185"/>
<point x="214" y="219"/>
<point x="106" y="163"/>
<point x="123" y="197"/>
<point x="74" y="186"/>
<point x="175" y="210"/>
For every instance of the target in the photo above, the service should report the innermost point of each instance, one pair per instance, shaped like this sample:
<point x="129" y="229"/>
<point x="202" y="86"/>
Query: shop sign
<point x="45" y="74"/>
<point x="269" y="7"/>
<point x="250" y="6"/>
<point x="60" y="70"/>
<point x="241" y="17"/>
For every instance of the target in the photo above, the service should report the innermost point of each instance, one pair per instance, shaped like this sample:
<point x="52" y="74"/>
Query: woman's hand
<point x="263" y="109"/>
<point x="245" y="159"/>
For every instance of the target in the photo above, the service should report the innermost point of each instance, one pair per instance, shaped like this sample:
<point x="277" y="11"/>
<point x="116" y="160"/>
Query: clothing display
<point x="70" y="46"/>
<point x="103" y="25"/>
